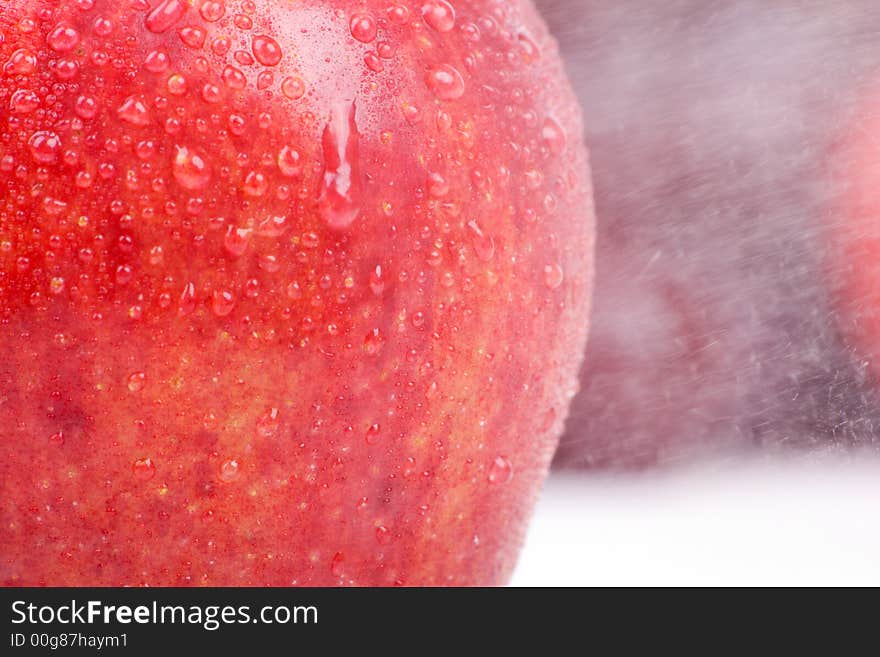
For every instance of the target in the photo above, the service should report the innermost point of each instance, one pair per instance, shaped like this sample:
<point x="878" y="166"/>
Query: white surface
<point x="752" y="524"/>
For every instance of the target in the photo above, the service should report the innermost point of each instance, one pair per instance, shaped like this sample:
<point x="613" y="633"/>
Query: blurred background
<point x="721" y="397"/>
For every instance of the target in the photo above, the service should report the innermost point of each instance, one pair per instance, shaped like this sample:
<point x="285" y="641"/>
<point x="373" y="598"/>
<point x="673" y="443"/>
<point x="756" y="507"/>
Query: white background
<point x="771" y="523"/>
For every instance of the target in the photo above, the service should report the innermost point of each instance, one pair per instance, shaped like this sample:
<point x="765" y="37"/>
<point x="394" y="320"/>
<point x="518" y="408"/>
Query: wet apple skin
<point x="225" y="365"/>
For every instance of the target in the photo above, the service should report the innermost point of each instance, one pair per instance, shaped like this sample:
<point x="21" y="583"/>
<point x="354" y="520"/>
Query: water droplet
<point x="398" y="14"/>
<point x="383" y="535"/>
<point x="192" y="37"/>
<point x="268" y="424"/>
<point x="373" y="342"/>
<point x="45" y="147"/>
<point x="553" y="136"/>
<point x="176" y="85"/>
<point x="63" y="38"/>
<point x="211" y="93"/>
<point x="439" y="15"/>
<point x="56" y="285"/>
<point x="445" y="82"/>
<point x="377" y="281"/>
<point x="103" y="27"/>
<point x="289" y="162"/>
<point x="57" y="439"/>
<point x="234" y="78"/>
<point x="293" y="88"/>
<point x="187" y="302"/>
<point x="134" y="110"/>
<point x="244" y="58"/>
<point x="500" y="471"/>
<point x="21" y="62"/>
<point x="265" y="80"/>
<point x="266" y="50"/>
<point x="528" y="49"/>
<point x="255" y="184"/>
<point x="236" y="124"/>
<point x="220" y="46"/>
<point x="371" y="59"/>
<point x="212" y="11"/>
<point x="437" y="185"/>
<point x="374" y="434"/>
<point x="222" y="302"/>
<point x="236" y="241"/>
<point x="339" y="197"/>
<point x="553" y="276"/>
<point x="136" y="381"/>
<point x="252" y="288"/>
<point x="273" y="226"/>
<point x="66" y="69"/>
<point x="294" y="291"/>
<point x="243" y="22"/>
<point x="229" y="470"/>
<point x="190" y="169"/>
<point x="484" y="245"/>
<point x="363" y="28"/>
<point x="156" y="62"/>
<point x="24" y="101"/>
<point x="85" y="107"/>
<point x="166" y="15"/>
<point x="143" y="469"/>
<point x="337" y="565"/>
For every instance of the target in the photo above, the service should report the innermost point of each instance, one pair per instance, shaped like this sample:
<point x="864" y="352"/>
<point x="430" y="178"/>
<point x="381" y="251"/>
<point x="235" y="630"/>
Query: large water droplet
<point x="374" y="434"/>
<point x="63" y="38"/>
<point x="293" y="88"/>
<point x="166" y="15"/>
<point x="445" y="82"/>
<point x="85" y="107"/>
<point x="398" y="14"/>
<point x="190" y="169"/>
<point x="136" y="381"/>
<point x="134" y="110"/>
<point x="234" y="78"/>
<point x="21" y="62"/>
<point x="45" y="147"/>
<point x="24" y="101"/>
<point x="377" y="281"/>
<point x="273" y="226"/>
<point x="236" y="241"/>
<point x="229" y="470"/>
<point x="255" y="184"/>
<point x="289" y="162"/>
<point x="337" y="565"/>
<point x="383" y="535"/>
<point x="500" y="471"/>
<point x="553" y="136"/>
<point x="339" y="197"/>
<point x="268" y="423"/>
<point x="553" y="276"/>
<point x="363" y="28"/>
<point x="266" y="50"/>
<point x="156" y="61"/>
<point x="373" y="342"/>
<point x="187" y="302"/>
<point x="439" y="15"/>
<point x="222" y="302"/>
<point x="143" y="469"/>
<point x="192" y="37"/>
<point x="212" y="11"/>
<point x="484" y="245"/>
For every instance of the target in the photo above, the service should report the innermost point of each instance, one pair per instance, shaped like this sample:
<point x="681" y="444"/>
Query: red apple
<point x="854" y="234"/>
<point x="290" y="293"/>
